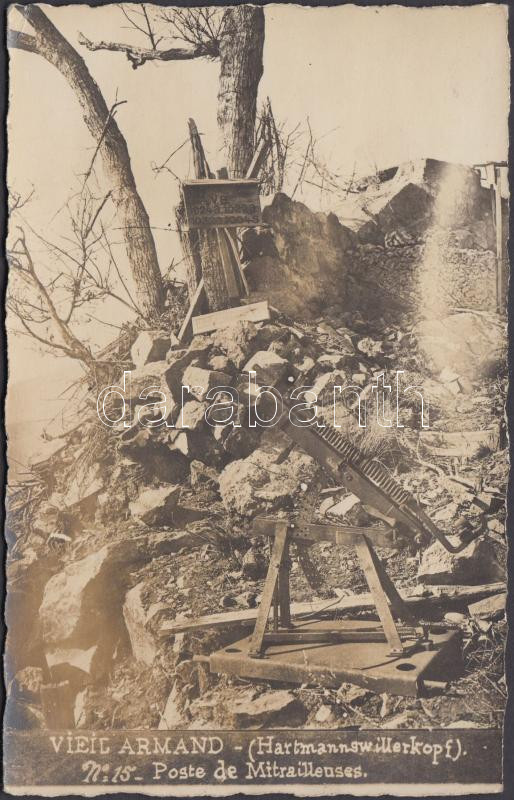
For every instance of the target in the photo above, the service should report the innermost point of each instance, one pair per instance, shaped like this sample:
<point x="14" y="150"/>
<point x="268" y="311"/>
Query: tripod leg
<point x="270" y="584"/>
<point x="365" y="554"/>
<point x="283" y="589"/>
<point x="399" y="607"/>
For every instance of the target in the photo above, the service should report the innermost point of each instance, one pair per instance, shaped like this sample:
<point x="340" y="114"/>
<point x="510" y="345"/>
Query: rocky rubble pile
<point x="157" y="526"/>
<point x="125" y="527"/>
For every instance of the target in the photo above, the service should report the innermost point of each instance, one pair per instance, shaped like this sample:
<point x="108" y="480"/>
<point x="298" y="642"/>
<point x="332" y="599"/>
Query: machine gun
<point x="401" y="655"/>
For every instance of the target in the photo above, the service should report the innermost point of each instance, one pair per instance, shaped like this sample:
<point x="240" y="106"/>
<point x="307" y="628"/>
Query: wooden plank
<point x="235" y="256"/>
<point x="258" y="158"/>
<point x="189" y="239"/>
<point x="490" y="607"/>
<point x="228" y="266"/>
<point x="193" y="306"/>
<point x="221" y="203"/>
<point x="200" y="164"/>
<point x="254" y="312"/>
<point x="354" y="602"/>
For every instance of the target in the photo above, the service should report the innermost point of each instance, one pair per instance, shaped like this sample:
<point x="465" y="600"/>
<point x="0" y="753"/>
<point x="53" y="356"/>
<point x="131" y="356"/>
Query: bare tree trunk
<point x="48" y="42"/>
<point x="241" y="49"/>
<point x="191" y="250"/>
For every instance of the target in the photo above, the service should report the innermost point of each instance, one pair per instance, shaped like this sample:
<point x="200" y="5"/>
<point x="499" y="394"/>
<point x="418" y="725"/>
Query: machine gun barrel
<point x="364" y="477"/>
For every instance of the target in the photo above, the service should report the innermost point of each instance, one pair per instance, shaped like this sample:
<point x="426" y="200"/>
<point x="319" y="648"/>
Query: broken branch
<point x="139" y="55"/>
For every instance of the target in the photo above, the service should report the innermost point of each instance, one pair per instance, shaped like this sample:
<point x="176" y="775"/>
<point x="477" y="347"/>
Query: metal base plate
<point x="366" y="664"/>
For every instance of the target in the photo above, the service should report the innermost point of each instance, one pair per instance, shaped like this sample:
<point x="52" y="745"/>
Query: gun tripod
<point x="399" y="655"/>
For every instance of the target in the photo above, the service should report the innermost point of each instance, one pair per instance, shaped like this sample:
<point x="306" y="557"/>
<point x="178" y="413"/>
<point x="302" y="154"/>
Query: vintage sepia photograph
<point x="257" y="441"/>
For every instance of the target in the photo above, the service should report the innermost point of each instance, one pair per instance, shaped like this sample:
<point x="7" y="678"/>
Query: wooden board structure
<point x="221" y="203"/>
<point x="253" y="312"/>
<point x="356" y="602"/>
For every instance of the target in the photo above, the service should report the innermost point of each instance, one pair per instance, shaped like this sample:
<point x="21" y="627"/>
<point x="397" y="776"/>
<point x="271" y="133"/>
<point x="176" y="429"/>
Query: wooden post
<point x="190" y="240"/>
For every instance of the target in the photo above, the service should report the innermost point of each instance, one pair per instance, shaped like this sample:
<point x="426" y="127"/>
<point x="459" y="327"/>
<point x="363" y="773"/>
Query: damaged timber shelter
<point x="313" y="575"/>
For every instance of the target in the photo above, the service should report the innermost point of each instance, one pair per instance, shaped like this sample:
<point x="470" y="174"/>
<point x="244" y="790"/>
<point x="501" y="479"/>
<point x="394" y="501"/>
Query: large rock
<point x="192" y="415"/>
<point x="260" y="482"/>
<point x="203" y="475"/>
<point x="430" y="277"/>
<point x="407" y="200"/>
<point x="178" y="361"/>
<point x="427" y="241"/>
<point x="150" y="346"/>
<point x="491" y="608"/>
<point x="199" y="381"/>
<point x="155" y="507"/>
<point x="270" y="707"/>
<point x="311" y="258"/>
<point x="268" y="367"/>
<point x="148" y="379"/>
<point x="473" y="345"/>
<point x="474" y="565"/>
<point x="27" y="684"/>
<point x="26" y="580"/>
<point x="76" y="665"/>
<point x="81" y="605"/>
<point x="238" y="341"/>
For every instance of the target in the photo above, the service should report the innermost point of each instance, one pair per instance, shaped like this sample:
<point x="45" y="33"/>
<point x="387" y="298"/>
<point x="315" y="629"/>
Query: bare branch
<point x="15" y="200"/>
<point x="111" y="114"/>
<point x="151" y="35"/>
<point x="70" y="344"/>
<point x="22" y="41"/>
<point x="139" y="55"/>
<point x="48" y="42"/>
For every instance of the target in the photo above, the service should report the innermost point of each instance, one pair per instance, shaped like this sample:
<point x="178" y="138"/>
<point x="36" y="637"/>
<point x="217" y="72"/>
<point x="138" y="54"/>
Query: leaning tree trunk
<point x="241" y="49"/>
<point x="48" y="42"/>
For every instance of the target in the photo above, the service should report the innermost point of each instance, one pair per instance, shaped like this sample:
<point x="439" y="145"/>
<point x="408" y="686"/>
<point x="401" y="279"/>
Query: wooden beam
<point x="232" y="242"/>
<point x="228" y="266"/>
<point x="196" y="300"/>
<point x="255" y="312"/>
<point x="355" y="602"/>
<point x="258" y="158"/>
